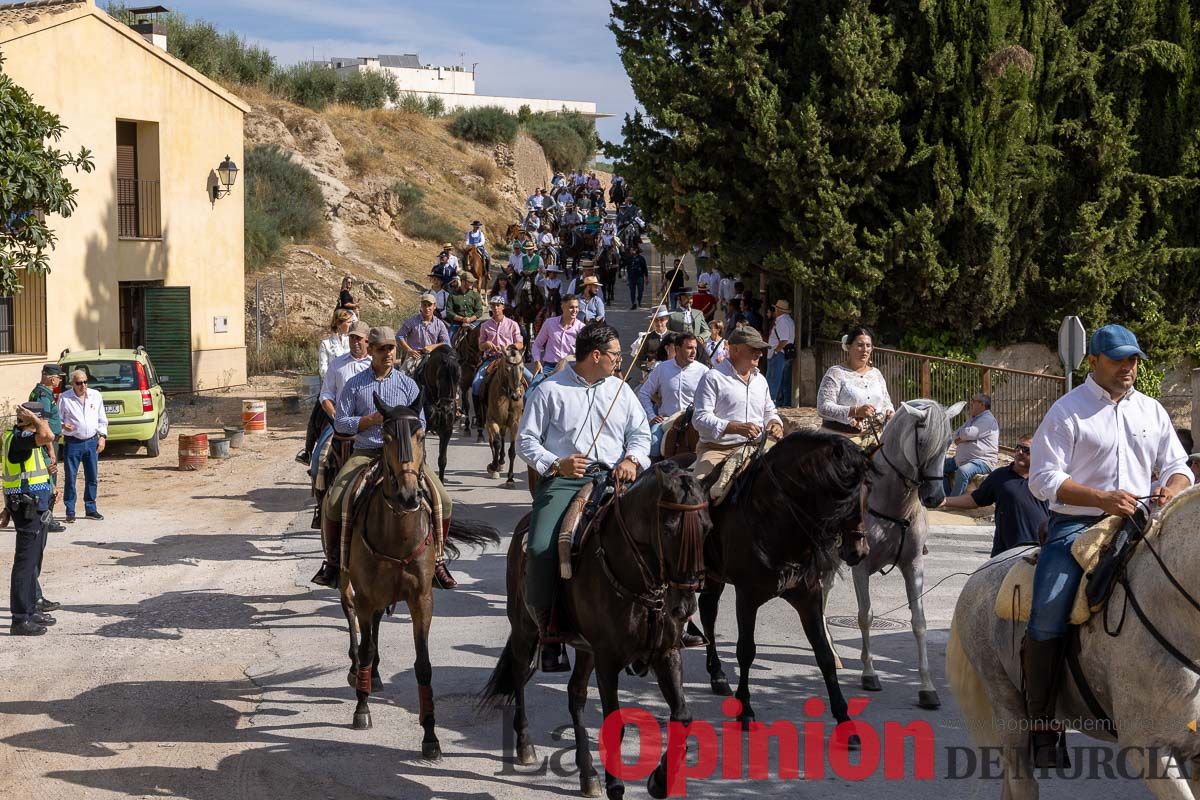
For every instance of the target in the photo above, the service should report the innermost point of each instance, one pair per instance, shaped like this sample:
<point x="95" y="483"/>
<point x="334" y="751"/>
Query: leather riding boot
<point x="1042" y="665"/>
<point x="443" y="577"/>
<point x="328" y="574"/>
<point x="693" y="636"/>
<point x="554" y="655"/>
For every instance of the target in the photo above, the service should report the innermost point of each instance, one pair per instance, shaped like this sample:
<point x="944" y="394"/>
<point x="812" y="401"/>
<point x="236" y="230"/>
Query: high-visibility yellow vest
<point x="33" y="475"/>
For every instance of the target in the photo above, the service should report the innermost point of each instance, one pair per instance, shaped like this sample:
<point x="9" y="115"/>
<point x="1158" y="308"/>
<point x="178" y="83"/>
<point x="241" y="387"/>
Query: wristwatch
<point x="555" y="469"/>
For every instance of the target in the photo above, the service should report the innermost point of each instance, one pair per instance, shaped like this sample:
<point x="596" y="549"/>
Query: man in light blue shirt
<point x="591" y="304"/>
<point x="977" y="446"/>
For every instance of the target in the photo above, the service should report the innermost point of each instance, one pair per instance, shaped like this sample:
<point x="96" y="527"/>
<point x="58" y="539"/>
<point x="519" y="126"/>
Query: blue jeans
<point x="656" y="437"/>
<point x="1056" y="578"/>
<point x="779" y="380"/>
<point x="477" y="382"/>
<point x="637" y="285"/>
<point x="547" y="368"/>
<point x="76" y="451"/>
<point x="958" y="476"/>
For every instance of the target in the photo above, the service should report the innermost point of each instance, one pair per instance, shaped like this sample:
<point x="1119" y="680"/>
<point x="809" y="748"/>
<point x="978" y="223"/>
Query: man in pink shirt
<point x="556" y="339"/>
<point x="495" y="334"/>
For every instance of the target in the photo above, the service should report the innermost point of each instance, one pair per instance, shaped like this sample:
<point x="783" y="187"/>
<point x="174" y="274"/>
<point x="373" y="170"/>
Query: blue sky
<point x="560" y="49"/>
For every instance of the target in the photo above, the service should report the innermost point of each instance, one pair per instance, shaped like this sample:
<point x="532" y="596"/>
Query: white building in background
<point x="454" y="85"/>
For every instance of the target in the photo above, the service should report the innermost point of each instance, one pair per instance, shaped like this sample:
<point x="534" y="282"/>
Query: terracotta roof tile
<point x="13" y="15"/>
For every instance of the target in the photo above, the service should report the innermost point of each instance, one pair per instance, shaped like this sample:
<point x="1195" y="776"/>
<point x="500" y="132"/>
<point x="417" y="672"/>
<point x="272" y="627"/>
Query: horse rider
<point x="477" y="239"/>
<point x="591" y="307"/>
<point x="537" y="200"/>
<point x="608" y="238"/>
<point x="495" y="334"/>
<point x="422" y="333"/>
<point x="464" y="306"/>
<point x="558" y="180"/>
<point x="550" y="279"/>
<point x="356" y="414"/>
<point x="547" y="242"/>
<point x="1102" y="448"/>
<point x="557" y="337"/>
<point x="648" y="347"/>
<point x="688" y="319"/>
<point x="582" y="415"/>
<point x="532" y="222"/>
<point x="341" y="369"/>
<point x="591" y="223"/>
<point x="570" y="219"/>
<point x="733" y="404"/>
<point x="674" y="382"/>
<point x="438" y="290"/>
<point x="451" y="259"/>
<point x="444" y="269"/>
<point x="629" y="213"/>
<point x="25" y="470"/>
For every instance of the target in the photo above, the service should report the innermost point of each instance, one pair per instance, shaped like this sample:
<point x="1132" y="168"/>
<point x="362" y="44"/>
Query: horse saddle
<point x="585" y="513"/>
<point x="737" y="462"/>
<point x="1100" y="550"/>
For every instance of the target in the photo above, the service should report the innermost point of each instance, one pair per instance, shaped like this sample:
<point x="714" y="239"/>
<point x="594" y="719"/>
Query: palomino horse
<point x="475" y="265"/>
<point x="909" y="462"/>
<point x="1131" y="678"/>
<point x="439" y="379"/>
<point x="633" y="588"/>
<point x="470" y="357"/>
<point x="389" y="557"/>
<point x="505" y="393"/>
<point x="787" y="519"/>
<point x="608" y="263"/>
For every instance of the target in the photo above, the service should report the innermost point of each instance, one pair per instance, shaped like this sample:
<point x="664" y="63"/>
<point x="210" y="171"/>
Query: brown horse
<point x="389" y="557"/>
<point x="608" y="264"/>
<point x="515" y="233"/>
<point x="470" y="357"/>
<point x="505" y="393"/>
<point x="633" y="587"/>
<point x="475" y="265"/>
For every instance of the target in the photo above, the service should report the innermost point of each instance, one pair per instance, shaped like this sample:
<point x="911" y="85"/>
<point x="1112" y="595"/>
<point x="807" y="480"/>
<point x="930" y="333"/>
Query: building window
<point x="139" y="210"/>
<point x="23" y="317"/>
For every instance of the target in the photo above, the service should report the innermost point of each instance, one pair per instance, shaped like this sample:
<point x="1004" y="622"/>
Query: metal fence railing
<point x="139" y="209"/>
<point x="1019" y="399"/>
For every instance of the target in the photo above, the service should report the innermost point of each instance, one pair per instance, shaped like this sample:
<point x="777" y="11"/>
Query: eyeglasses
<point x="615" y="355"/>
<point x="1023" y="449"/>
<point x="79" y="383"/>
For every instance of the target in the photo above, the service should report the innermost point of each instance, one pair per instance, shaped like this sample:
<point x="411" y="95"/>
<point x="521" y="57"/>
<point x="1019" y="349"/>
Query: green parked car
<point x="134" y="401"/>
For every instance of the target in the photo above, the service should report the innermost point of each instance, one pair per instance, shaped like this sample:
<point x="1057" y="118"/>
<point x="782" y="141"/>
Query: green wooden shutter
<point x="169" y="336"/>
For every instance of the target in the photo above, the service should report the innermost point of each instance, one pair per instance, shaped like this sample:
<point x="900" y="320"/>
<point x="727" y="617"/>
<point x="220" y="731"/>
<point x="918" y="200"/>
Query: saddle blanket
<point x="1015" y="598"/>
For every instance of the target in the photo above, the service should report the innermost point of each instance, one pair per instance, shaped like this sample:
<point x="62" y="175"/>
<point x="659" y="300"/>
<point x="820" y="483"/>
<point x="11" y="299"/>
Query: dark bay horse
<point x="608" y="264"/>
<point x="576" y="243"/>
<point x="390" y="557"/>
<point x="470" y="357"/>
<point x="530" y="300"/>
<point x="632" y="590"/>
<point x="785" y="522"/>
<point x="505" y="393"/>
<point x="439" y="379"/>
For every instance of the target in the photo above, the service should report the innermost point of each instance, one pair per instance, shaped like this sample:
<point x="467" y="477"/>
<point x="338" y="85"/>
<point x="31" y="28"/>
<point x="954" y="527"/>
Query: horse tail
<point x="501" y="688"/>
<point x="969" y="689"/>
<point x="471" y="534"/>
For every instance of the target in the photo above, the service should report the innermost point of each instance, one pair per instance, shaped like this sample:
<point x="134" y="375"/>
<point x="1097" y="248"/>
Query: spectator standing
<point x="27" y="489"/>
<point x="346" y="297"/>
<point x="688" y="319"/>
<point x="977" y="446"/>
<point x="1019" y="515"/>
<point x="726" y="291"/>
<point x="676" y="280"/>
<point x="703" y="301"/>
<point x="716" y="349"/>
<point x="336" y="343"/>
<point x="85" y="430"/>
<point x="779" y="366"/>
<point x="636" y="272"/>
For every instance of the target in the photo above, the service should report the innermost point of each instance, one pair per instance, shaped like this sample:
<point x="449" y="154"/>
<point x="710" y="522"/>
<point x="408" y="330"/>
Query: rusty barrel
<point x="193" y="451"/>
<point x="254" y="416"/>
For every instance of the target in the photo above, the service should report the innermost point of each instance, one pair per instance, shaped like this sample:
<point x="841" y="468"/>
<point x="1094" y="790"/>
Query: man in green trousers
<point x="581" y="415"/>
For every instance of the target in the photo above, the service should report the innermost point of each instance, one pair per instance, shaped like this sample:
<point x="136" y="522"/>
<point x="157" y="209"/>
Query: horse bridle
<point x="903" y="523"/>
<point x="691" y="553"/>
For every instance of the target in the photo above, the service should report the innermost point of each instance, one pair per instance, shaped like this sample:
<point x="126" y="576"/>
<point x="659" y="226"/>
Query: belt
<point x="716" y="446"/>
<point x="370" y="452"/>
<point x="69" y="438"/>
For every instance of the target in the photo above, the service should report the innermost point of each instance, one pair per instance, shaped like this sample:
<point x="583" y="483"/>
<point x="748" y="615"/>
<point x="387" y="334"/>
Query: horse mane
<point x="827" y="470"/>
<point x="439" y="383"/>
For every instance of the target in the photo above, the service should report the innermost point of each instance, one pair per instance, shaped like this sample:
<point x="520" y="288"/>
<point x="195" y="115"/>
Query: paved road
<point x="194" y="660"/>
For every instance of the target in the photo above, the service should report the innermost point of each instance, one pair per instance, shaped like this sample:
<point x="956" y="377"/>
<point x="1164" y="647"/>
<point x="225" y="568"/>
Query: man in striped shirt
<point x="355" y="413"/>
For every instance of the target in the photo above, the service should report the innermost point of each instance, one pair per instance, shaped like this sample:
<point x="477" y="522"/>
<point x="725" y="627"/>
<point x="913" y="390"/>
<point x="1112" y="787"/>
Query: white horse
<point x="909" y="467"/>
<point x="1150" y="694"/>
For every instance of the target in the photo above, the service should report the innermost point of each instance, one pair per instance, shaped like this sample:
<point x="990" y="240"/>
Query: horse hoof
<point x="526" y="755"/>
<point x="590" y="787"/>
<point x="493" y="475"/>
<point x="928" y="699"/>
<point x="746" y="719"/>
<point x="720" y="687"/>
<point x="352" y="677"/>
<point x="853" y="742"/>
<point x="616" y="791"/>
<point x="656" y="785"/>
<point x="376" y="682"/>
<point x="431" y="751"/>
<point x="362" y="720"/>
<point x="870" y="683"/>
<point x="510" y="483"/>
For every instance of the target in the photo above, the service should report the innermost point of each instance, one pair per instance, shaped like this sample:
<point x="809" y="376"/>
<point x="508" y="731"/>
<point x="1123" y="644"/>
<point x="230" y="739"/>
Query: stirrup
<point x="1048" y="749"/>
<point x="554" y="658"/>
<point x="327" y="575"/>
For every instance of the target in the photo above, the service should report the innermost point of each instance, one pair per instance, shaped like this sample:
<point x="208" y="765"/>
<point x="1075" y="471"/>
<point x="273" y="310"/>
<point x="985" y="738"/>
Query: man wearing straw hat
<point x="779" y="366"/>
<point x="581" y="415"/>
<point x="531" y="262"/>
<point x="591" y="307"/>
<point x="451" y="259"/>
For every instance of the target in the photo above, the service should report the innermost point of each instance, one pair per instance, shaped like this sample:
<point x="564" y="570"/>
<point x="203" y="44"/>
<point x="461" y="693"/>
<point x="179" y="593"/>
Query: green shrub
<point x="410" y="103"/>
<point x="283" y="201"/>
<point x="524" y="114"/>
<point x="285" y="349"/>
<point x="362" y="160"/>
<point x="485" y="125"/>
<point x="569" y="139"/>
<point x="420" y="224"/>
<point x="407" y="194"/>
<point x="308" y="85"/>
<point x="434" y="107"/>
<point x="367" y="89"/>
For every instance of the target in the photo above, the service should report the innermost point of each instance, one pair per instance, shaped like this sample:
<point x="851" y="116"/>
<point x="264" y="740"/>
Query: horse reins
<point x="389" y="485"/>
<point x="903" y="523"/>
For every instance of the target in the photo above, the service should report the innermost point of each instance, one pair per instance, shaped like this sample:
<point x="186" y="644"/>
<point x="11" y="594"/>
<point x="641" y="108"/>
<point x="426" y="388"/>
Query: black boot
<point x="554" y="655"/>
<point x="1042" y="665"/>
<point x="327" y="575"/>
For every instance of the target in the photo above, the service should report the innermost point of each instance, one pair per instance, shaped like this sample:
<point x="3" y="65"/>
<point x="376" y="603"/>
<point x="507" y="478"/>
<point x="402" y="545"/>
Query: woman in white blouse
<point x="716" y="349"/>
<point x="853" y="392"/>
<point x="337" y="342"/>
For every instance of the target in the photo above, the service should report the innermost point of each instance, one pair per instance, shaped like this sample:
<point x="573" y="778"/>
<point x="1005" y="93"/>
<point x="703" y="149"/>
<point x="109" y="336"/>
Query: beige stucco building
<point x="148" y="244"/>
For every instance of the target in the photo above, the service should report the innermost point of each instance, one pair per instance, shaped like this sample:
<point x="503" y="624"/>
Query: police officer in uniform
<point x="25" y="475"/>
<point x="43" y="392"/>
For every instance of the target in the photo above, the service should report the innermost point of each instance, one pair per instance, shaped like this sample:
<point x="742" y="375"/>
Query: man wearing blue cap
<point x="1096" y="453"/>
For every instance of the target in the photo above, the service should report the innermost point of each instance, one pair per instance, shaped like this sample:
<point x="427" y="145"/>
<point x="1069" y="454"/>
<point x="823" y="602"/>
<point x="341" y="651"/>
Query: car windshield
<point x="106" y="376"/>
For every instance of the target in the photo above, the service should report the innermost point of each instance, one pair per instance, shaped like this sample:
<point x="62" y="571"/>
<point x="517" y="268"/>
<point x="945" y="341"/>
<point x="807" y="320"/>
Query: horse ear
<point x="917" y="412"/>
<point x="956" y="409"/>
<point x="382" y="407"/>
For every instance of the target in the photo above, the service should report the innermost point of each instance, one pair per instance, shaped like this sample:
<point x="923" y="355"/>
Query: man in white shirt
<point x="581" y="415"/>
<point x="85" y="430"/>
<point x="977" y="446"/>
<point x="477" y="239"/>
<point x="733" y="404"/>
<point x="341" y="369"/>
<point x="451" y="259"/>
<point x="712" y="277"/>
<point x="537" y="200"/>
<point x="779" y="366"/>
<point x="674" y="382"/>
<point x="726" y="291"/>
<point x="1096" y="452"/>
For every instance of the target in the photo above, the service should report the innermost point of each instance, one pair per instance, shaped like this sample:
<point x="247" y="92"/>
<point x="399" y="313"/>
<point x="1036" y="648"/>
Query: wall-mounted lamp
<point x="227" y="173"/>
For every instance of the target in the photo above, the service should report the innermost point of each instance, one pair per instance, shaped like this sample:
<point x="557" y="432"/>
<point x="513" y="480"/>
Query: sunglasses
<point x="1022" y="449"/>
<point x="79" y="383"/>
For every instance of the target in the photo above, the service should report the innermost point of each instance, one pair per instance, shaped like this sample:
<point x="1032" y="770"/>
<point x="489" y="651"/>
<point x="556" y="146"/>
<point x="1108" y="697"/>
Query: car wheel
<point x="164" y="425"/>
<point x="153" y="446"/>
